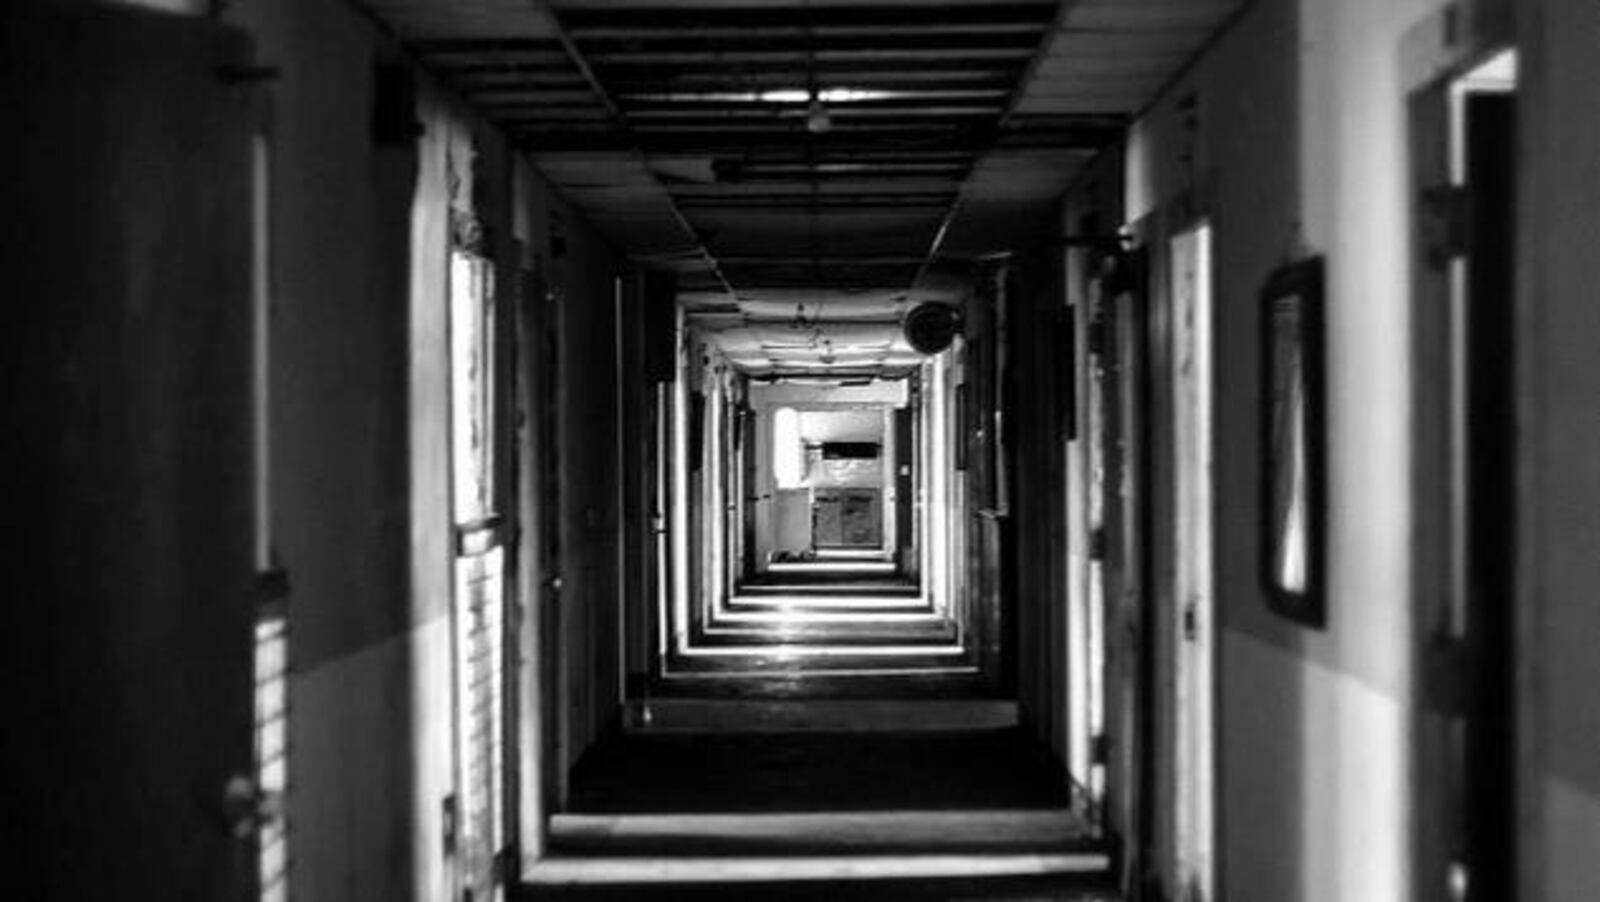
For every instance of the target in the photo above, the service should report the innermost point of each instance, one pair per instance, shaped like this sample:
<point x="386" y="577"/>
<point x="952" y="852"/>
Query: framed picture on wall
<point x="1293" y="493"/>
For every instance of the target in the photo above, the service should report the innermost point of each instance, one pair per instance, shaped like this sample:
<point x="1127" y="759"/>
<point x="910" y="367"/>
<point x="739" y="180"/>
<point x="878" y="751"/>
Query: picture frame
<point x="1294" y="480"/>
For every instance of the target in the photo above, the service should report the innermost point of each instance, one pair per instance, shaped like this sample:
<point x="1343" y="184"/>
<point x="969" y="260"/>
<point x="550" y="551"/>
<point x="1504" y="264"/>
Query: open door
<point x="1191" y="598"/>
<point x="1178" y="812"/>
<point x="478" y="609"/>
<point x="1464" y="174"/>
<point x="1110" y="623"/>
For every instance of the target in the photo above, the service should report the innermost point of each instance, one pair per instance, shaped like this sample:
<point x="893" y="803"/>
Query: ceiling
<point x="810" y="169"/>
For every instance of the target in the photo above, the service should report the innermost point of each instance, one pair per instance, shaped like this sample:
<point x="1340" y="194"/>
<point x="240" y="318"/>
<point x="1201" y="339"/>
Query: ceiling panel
<point x="780" y="154"/>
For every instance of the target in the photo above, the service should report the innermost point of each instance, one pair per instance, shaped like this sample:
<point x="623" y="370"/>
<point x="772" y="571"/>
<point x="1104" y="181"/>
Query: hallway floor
<point x="828" y="733"/>
<point x="996" y="768"/>
<point x="868" y="813"/>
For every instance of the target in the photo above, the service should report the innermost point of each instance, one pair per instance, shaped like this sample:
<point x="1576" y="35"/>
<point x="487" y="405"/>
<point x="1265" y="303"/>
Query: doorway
<point x="1464" y="167"/>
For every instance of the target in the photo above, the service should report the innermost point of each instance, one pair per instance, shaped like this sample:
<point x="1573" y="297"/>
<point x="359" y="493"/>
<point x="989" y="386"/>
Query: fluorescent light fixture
<point x="774" y="95"/>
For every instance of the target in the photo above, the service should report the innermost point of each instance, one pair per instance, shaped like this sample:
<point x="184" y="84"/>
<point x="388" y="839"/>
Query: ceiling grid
<point x="803" y="166"/>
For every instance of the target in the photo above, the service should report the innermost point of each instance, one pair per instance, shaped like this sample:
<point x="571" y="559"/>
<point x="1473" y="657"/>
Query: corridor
<point x="508" y="450"/>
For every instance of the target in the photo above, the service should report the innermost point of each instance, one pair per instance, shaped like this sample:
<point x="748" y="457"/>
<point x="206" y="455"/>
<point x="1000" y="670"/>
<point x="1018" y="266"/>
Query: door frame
<point x="1161" y="841"/>
<point x="1109" y="494"/>
<point x="1446" y="692"/>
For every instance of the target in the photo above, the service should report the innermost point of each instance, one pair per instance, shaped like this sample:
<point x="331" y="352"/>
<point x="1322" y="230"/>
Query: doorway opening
<point x="1465" y="170"/>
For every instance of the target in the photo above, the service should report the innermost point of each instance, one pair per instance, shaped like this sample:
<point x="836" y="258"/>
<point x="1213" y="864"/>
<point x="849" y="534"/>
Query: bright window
<point x="788" y="455"/>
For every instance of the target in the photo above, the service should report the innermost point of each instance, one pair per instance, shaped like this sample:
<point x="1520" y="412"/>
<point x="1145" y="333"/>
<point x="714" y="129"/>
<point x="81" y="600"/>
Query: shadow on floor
<point x="765" y="772"/>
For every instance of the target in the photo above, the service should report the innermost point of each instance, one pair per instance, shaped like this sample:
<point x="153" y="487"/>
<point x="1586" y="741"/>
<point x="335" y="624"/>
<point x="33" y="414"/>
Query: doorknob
<point x="246" y="807"/>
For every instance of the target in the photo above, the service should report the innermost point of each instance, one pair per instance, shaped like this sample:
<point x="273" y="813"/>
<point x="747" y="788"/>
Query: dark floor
<point x="1022" y="889"/>
<point x="798" y="772"/>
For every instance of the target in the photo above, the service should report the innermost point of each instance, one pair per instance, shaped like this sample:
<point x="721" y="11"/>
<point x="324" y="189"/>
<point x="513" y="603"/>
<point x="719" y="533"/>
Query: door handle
<point x="246" y="807"/>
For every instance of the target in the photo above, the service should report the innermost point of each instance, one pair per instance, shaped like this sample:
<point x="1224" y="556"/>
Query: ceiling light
<point x="771" y="95"/>
<point x="853" y="95"/>
<point x="785" y="95"/>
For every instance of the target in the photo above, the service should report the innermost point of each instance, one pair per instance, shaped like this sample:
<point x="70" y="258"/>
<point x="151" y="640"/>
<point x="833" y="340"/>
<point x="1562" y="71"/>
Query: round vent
<point x="931" y="327"/>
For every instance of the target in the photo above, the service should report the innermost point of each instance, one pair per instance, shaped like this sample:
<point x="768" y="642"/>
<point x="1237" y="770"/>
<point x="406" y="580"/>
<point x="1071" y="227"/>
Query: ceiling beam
<point x="631" y="16"/>
<point x="841" y="114"/>
<point x="725" y="71"/>
<point x="890" y="78"/>
<point x="742" y="141"/>
<point x="854" y="56"/>
<point x="797" y="41"/>
<point x="720" y="29"/>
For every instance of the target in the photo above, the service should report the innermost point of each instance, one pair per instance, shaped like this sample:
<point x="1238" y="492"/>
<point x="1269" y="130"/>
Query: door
<point x="1110" y="629"/>
<point x="660" y="518"/>
<point x="545" y="301"/>
<point x="479" y="603"/>
<point x="847" y="519"/>
<point x="749" y="494"/>
<point x="1464" y="167"/>
<point x="1191" y="612"/>
<point x="132" y="580"/>
<point x="903" y="467"/>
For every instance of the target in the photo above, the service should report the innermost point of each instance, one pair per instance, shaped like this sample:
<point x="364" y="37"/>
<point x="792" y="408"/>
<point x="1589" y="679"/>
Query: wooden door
<point x="132" y="591"/>
<point x="478" y="610"/>
<point x="1464" y="172"/>
<point x="1114" y="639"/>
<point x="1190" y="598"/>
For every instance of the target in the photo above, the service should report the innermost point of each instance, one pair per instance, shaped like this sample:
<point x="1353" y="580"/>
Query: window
<point x="788" y="454"/>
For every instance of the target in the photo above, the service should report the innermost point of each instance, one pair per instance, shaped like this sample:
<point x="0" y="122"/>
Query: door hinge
<point x="1191" y="622"/>
<point x="1446" y="223"/>
<point x="1447" y="674"/>
<point x="1099" y="748"/>
<point x="247" y="807"/>
<point x="272" y="591"/>
<point x="1097" y="544"/>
